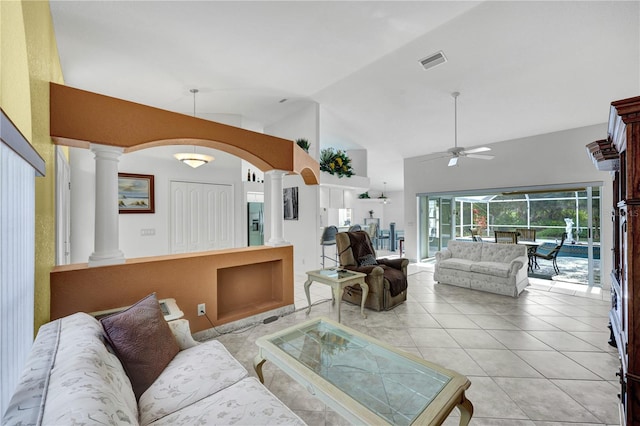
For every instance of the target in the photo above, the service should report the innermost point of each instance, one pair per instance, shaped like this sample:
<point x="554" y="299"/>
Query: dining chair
<point x="552" y="255"/>
<point x="526" y="234"/>
<point x="506" y="237"/>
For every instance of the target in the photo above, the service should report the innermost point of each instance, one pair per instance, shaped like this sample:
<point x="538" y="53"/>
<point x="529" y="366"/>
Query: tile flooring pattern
<point x="540" y="359"/>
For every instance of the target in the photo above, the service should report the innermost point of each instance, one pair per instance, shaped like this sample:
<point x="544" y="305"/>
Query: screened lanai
<point x="549" y="212"/>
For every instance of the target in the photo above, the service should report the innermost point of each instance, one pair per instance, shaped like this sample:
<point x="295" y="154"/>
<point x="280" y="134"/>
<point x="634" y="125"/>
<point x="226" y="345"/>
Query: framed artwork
<point x="290" y="197"/>
<point x="135" y="193"/>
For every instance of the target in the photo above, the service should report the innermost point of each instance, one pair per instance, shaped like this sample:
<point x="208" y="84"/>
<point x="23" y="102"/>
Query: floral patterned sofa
<point x="491" y="267"/>
<point x="72" y="377"/>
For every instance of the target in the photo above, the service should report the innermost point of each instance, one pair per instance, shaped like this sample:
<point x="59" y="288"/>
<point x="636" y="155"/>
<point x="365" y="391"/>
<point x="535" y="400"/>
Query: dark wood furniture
<point x="624" y="134"/>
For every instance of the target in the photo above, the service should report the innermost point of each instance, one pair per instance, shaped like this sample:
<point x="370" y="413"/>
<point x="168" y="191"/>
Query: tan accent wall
<point x="234" y="284"/>
<point x="79" y="118"/>
<point x="29" y="58"/>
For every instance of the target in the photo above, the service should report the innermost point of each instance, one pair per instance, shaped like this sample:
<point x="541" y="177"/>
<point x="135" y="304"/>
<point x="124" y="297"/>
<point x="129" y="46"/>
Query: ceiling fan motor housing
<point x="456" y="150"/>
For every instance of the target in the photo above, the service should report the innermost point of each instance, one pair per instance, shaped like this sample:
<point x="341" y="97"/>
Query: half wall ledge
<point x="79" y="118"/>
<point x="233" y="283"/>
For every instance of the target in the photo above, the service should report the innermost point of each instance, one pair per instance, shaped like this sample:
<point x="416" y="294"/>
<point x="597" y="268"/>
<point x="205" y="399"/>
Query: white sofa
<point x="495" y="268"/>
<point x="71" y="377"/>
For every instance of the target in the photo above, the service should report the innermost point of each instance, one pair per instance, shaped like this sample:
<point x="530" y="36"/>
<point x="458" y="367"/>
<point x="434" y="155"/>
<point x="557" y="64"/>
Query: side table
<point x="338" y="280"/>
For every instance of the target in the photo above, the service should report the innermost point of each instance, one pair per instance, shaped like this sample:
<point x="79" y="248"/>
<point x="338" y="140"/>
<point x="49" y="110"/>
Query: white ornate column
<point x="274" y="210"/>
<point x="106" y="243"/>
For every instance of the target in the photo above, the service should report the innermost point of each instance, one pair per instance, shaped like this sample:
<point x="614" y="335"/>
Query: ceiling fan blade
<point x="453" y="161"/>
<point x="436" y="156"/>
<point x="480" y="156"/>
<point x="477" y="150"/>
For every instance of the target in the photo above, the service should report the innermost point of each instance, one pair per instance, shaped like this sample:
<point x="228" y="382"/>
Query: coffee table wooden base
<point x="466" y="411"/>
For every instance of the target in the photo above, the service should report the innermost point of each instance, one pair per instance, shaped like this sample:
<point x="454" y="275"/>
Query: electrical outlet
<point x="201" y="309"/>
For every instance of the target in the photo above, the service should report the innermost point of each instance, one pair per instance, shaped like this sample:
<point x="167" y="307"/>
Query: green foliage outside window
<point x="547" y="211"/>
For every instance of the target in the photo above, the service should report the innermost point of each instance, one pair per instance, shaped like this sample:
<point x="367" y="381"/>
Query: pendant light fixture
<point x="382" y="196"/>
<point x="194" y="159"/>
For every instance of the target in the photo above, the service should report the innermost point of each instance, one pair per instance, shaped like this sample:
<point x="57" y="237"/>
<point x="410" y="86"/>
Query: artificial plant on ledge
<point x="304" y="144"/>
<point x="335" y="162"/>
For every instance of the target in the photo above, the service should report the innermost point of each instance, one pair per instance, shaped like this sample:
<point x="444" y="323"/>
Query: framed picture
<point x="135" y="193"/>
<point x="290" y="196"/>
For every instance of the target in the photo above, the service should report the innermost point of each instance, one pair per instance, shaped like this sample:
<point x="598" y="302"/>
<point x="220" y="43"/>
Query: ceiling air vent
<point x="433" y="60"/>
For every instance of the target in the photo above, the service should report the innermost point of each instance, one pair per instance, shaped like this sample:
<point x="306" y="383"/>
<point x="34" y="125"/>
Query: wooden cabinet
<point x="624" y="135"/>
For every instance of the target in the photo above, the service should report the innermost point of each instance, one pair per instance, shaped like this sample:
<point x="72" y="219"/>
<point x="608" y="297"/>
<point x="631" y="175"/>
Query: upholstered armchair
<point x="387" y="278"/>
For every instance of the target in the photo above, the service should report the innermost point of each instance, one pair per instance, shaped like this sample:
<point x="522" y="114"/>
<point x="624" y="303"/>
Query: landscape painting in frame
<point x="135" y="193"/>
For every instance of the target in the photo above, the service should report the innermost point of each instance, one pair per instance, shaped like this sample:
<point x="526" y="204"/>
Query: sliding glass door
<point x="437" y="224"/>
<point x="550" y="211"/>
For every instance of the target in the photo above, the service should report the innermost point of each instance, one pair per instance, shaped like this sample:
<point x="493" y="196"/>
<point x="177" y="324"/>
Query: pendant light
<point x="194" y="159"/>
<point x="382" y="196"/>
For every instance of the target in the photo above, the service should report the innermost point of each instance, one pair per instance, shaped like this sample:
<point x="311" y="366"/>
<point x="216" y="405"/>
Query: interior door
<point x="201" y="217"/>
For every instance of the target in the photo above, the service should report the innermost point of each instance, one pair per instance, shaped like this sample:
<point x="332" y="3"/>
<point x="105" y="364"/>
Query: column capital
<point x="98" y="148"/>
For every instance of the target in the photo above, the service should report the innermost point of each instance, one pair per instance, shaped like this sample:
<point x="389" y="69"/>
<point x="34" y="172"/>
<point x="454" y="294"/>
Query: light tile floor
<point x="540" y="359"/>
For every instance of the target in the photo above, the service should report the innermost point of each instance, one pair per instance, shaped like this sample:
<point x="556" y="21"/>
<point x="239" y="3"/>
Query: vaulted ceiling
<point x="523" y="68"/>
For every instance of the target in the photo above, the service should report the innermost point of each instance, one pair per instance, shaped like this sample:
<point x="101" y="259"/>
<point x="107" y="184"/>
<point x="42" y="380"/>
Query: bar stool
<point x="329" y="239"/>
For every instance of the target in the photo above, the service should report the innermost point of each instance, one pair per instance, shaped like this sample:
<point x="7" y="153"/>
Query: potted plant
<point x="335" y="162"/>
<point x="304" y="144"/>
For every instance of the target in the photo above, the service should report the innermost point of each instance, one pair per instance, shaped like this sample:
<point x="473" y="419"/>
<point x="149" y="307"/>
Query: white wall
<point x="303" y="233"/>
<point x="393" y="211"/>
<point x="554" y="158"/>
<point x="225" y="169"/>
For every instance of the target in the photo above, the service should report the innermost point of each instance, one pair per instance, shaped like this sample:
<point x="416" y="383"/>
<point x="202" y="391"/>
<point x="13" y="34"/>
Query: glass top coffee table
<point x="364" y="379"/>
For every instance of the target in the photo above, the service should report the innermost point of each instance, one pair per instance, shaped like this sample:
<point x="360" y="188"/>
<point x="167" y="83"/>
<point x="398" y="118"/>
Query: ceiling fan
<point x="456" y="151"/>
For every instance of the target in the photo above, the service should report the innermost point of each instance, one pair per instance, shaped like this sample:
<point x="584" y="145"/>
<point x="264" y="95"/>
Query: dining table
<point x="532" y="248"/>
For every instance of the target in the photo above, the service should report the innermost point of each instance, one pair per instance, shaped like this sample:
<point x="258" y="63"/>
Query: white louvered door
<point x="201" y="217"/>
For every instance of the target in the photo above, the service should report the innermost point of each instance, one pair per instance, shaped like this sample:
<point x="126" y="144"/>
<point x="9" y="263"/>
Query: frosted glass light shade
<point x="193" y="159"/>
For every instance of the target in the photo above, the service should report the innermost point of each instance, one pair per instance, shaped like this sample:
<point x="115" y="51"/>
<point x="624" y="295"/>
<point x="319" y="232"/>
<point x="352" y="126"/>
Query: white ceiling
<point x="523" y="68"/>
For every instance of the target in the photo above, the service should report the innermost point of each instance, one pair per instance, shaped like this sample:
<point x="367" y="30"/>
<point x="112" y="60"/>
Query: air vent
<point x="433" y="60"/>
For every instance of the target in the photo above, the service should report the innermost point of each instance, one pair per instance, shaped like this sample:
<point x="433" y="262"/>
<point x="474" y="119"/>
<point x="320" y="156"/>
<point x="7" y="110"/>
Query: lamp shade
<point x="193" y="159"/>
